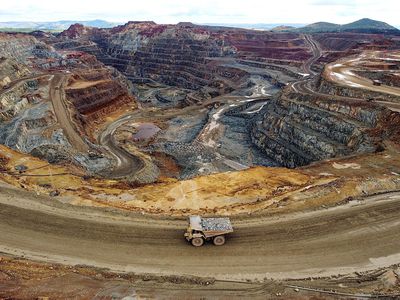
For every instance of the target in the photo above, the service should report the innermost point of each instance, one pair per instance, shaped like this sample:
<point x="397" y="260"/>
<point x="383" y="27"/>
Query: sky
<point x="202" y="11"/>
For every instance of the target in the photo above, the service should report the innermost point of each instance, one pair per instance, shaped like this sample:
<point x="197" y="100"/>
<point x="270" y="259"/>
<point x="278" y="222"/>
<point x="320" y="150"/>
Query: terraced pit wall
<point x="16" y="100"/>
<point x="326" y="87"/>
<point x="97" y="101"/>
<point x="176" y="58"/>
<point x="296" y="130"/>
<point x="184" y="55"/>
<point x="17" y="46"/>
<point x="268" y="45"/>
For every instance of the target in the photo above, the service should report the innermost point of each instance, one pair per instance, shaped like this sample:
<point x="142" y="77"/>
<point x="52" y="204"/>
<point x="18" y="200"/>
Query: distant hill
<point x="320" y="27"/>
<point x="368" y="24"/>
<point x="362" y="26"/>
<point x="52" y="26"/>
<point x="282" y="28"/>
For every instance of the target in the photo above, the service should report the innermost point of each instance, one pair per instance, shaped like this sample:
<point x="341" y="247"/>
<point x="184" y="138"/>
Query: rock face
<point x="296" y="131"/>
<point x="97" y="97"/>
<point x="17" y="46"/>
<point x="386" y="78"/>
<point x="25" y="131"/>
<point x="10" y="71"/>
<point x="327" y="87"/>
<point x="12" y="102"/>
<point x="344" y="41"/>
<point x="96" y="94"/>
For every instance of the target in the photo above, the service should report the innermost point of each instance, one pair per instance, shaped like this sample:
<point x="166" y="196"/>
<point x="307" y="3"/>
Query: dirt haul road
<point x="126" y="163"/>
<point x="342" y="73"/>
<point x="316" y="51"/>
<point x="353" y="237"/>
<point x="57" y="96"/>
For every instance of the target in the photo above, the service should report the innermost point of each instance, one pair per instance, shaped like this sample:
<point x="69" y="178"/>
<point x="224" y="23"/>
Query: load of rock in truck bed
<point x="216" y="224"/>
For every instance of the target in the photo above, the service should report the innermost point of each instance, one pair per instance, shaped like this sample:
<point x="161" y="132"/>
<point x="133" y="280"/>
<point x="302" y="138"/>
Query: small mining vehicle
<point x="377" y="82"/>
<point x="207" y="229"/>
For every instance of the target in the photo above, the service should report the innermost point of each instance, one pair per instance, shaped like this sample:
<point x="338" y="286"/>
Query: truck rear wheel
<point x="197" y="242"/>
<point x="219" y="240"/>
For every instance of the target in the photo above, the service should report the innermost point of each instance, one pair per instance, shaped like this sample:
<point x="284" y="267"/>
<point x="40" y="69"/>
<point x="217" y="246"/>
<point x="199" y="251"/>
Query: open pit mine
<point x="111" y="138"/>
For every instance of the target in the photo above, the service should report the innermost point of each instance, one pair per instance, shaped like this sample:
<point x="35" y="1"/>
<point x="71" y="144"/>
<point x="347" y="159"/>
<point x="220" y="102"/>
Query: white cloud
<point x="201" y="11"/>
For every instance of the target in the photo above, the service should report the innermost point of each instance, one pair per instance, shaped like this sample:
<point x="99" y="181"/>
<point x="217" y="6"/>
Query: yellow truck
<point x="207" y="229"/>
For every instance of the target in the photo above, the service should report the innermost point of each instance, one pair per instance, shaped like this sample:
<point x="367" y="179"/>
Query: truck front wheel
<point x="197" y="242"/>
<point x="219" y="240"/>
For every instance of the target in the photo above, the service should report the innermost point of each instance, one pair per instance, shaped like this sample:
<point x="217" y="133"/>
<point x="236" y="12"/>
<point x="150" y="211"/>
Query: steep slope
<point x="20" y="46"/>
<point x="299" y="129"/>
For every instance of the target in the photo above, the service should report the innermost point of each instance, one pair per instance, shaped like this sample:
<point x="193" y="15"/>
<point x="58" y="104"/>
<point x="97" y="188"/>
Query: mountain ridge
<point x="364" y="25"/>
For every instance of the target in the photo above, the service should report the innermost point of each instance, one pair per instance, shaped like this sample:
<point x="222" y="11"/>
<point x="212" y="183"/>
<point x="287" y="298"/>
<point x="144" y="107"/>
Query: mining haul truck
<point x="206" y="229"/>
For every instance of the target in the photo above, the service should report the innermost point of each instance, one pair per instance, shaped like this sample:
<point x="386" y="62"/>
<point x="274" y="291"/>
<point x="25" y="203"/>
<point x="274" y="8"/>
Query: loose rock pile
<point x="216" y="224"/>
